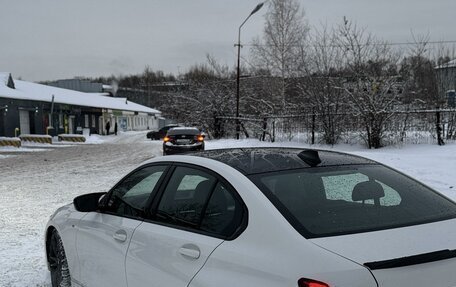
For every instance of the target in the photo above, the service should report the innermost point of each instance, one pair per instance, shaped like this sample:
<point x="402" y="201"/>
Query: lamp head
<point x="257" y="8"/>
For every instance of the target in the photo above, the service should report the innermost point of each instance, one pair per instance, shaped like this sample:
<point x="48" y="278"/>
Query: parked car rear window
<point x="183" y="131"/>
<point x="328" y="201"/>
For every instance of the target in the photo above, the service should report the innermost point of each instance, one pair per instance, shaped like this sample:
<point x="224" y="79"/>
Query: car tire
<point x="60" y="273"/>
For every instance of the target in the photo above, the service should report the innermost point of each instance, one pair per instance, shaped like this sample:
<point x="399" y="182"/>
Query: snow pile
<point x="23" y="148"/>
<point x="10" y="139"/>
<point x="95" y="139"/>
<point x="35" y="136"/>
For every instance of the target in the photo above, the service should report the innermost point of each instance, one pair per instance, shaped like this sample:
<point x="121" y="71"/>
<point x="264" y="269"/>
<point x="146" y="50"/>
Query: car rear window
<point x="183" y="131"/>
<point x="329" y="201"/>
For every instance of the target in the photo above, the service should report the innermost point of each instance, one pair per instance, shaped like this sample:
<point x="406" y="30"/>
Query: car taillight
<point x="303" y="282"/>
<point x="200" y="138"/>
<point x="166" y="139"/>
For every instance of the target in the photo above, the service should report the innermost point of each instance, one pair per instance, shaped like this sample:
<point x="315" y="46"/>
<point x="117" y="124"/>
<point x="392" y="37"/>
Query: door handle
<point x="120" y="235"/>
<point x="190" y="251"/>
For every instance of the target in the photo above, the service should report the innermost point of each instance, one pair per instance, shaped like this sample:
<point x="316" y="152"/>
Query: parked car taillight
<point x="303" y="282"/>
<point x="200" y="138"/>
<point x="166" y="139"/>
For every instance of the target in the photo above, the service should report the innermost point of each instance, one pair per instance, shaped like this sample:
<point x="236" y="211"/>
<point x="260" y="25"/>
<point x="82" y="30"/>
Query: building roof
<point x="4" y="78"/>
<point x="37" y="92"/>
<point x="450" y="64"/>
<point x="7" y="80"/>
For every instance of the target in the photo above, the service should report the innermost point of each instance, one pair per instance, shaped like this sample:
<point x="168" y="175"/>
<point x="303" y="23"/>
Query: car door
<point x="102" y="237"/>
<point x="192" y="217"/>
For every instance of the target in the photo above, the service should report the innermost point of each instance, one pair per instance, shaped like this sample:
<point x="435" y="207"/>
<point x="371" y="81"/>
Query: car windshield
<point x="329" y="201"/>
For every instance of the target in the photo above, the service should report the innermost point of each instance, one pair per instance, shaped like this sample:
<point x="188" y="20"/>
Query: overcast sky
<point x="55" y="39"/>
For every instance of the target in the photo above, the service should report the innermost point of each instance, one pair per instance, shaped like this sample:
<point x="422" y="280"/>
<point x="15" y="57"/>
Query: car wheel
<point x="60" y="274"/>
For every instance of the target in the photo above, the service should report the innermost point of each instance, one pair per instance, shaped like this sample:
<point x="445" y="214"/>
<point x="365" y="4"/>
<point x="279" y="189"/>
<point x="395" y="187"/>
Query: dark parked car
<point x="183" y="139"/>
<point x="158" y="135"/>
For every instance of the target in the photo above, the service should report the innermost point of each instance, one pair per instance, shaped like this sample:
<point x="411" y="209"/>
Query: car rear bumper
<point x="175" y="149"/>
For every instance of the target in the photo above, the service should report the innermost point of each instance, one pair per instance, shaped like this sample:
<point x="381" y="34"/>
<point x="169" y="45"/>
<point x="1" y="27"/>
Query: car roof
<point x="184" y="128"/>
<point x="262" y="160"/>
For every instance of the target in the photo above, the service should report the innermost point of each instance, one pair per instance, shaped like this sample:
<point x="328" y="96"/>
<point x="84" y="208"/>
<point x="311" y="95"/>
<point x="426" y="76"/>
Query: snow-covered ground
<point x="34" y="184"/>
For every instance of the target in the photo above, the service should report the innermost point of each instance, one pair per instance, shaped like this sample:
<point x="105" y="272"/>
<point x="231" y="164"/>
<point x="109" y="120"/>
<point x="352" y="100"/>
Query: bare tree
<point x="318" y="88"/>
<point x="373" y="85"/>
<point x="418" y="73"/>
<point x="422" y="79"/>
<point x="282" y="45"/>
<point x="209" y="95"/>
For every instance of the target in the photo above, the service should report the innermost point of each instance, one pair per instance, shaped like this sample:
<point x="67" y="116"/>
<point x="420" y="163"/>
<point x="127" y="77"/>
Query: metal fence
<point x="401" y="127"/>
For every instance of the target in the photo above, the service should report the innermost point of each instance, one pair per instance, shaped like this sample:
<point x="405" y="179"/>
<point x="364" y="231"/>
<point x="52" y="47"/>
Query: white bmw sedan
<point x="269" y="217"/>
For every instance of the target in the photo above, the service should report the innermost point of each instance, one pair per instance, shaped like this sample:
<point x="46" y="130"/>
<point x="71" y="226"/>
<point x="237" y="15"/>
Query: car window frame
<point x="153" y="208"/>
<point x="152" y="195"/>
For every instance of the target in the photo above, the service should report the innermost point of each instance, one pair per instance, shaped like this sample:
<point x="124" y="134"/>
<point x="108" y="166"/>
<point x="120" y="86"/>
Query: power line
<point x="370" y="44"/>
<point x="420" y="43"/>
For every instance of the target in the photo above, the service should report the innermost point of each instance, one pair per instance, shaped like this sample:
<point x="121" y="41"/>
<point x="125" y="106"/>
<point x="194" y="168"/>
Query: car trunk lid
<point x="419" y="255"/>
<point x="183" y="139"/>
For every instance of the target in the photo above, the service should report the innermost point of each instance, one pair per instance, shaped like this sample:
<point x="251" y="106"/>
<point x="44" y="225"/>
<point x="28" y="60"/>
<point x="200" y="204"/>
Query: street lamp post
<point x="238" y="129"/>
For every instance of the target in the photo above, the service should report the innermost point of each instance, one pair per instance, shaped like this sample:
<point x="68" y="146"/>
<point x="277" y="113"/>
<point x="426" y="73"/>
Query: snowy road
<point x="33" y="184"/>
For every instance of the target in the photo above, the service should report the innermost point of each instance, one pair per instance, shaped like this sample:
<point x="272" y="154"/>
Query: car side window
<point x="224" y="213"/>
<point x="185" y="196"/>
<point x="198" y="200"/>
<point x="131" y="195"/>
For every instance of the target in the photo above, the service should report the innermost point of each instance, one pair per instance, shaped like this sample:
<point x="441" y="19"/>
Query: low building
<point x="30" y="108"/>
<point x="82" y="85"/>
<point x="446" y="81"/>
<point x="451" y="97"/>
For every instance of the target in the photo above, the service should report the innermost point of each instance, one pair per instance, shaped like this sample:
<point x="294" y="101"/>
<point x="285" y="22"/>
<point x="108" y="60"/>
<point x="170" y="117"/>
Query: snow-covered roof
<point x="37" y="92"/>
<point x="183" y="128"/>
<point x="450" y="64"/>
<point x="4" y="78"/>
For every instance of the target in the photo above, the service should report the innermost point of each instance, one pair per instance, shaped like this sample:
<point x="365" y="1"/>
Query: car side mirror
<point x="89" y="202"/>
